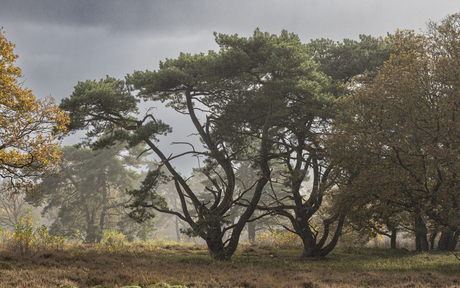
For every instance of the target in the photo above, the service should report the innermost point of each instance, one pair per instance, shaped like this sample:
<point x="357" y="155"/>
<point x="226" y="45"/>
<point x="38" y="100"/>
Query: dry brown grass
<point x="190" y="266"/>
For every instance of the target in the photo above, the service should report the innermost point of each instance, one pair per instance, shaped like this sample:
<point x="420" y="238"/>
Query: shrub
<point x="112" y="241"/>
<point x="28" y="236"/>
<point x="281" y="240"/>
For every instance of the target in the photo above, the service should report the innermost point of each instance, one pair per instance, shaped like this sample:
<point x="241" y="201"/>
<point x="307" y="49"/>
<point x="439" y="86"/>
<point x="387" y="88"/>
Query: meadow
<point x="30" y="257"/>
<point x="168" y="264"/>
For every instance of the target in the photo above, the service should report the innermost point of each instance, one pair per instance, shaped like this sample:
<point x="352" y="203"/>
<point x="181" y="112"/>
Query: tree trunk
<point x="394" y="233"/>
<point x="100" y="230"/>
<point x="309" y="243"/>
<point x="448" y="240"/>
<point x="421" y="241"/>
<point x="314" y="248"/>
<point x="251" y="232"/>
<point x="91" y="233"/>
<point x="177" y="229"/>
<point x="217" y="250"/>
<point x="433" y="235"/>
<point x="215" y="243"/>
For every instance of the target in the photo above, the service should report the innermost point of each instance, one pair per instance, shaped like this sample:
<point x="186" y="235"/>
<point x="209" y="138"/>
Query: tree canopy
<point x="264" y="77"/>
<point x="303" y="118"/>
<point x="401" y="127"/>
<point x="344" y="60"/>
<point x="29" y="127"/>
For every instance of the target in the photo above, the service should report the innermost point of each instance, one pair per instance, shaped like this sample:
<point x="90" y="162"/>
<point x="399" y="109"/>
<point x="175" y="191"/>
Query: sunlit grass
<point x="345" y="260"/>
<point x="378" y="259"/>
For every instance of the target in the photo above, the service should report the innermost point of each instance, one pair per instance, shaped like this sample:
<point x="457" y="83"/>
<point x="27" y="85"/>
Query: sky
<point x="61" y="42"/>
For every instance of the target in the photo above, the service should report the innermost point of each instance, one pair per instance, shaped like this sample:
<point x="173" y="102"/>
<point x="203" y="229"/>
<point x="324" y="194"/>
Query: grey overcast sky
<point x="61" y="42"/>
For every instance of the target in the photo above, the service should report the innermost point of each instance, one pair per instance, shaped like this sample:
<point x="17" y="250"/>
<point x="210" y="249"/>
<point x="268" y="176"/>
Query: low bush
<point x="27" y="236"/>
<point x="279" y="240"/>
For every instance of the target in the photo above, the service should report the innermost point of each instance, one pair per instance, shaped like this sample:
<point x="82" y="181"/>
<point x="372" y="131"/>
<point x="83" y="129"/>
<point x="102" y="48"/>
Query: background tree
<point x="28" y="127"/>
<point x="402" y="125"/>
<point x="245" y="176"/>
<point x="169" y="225"/>
<point x="88" y="194"/>
<point x="13" y="207"/>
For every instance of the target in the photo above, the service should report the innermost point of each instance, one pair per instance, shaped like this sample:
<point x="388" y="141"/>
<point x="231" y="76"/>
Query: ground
<point x="252" y="266"/>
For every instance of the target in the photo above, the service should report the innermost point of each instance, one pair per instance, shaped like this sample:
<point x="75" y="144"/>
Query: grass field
<point x="252" y="266"/>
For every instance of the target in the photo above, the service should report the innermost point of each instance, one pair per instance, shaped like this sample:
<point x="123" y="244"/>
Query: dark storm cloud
<point x="328" y="17"/>
<point x="123" y="16"/>
<point x="118" y="14"/>
<point x="336" y="19"/>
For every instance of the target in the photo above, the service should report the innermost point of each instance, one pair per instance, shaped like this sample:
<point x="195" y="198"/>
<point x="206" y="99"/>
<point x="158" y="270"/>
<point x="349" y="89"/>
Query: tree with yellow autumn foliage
<point x="29" y="127"/>
<point x="401" y="131"/>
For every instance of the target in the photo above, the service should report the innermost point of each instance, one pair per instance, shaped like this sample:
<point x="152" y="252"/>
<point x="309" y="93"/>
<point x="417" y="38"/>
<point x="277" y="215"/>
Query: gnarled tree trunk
<point x="315" y="248"/>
